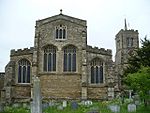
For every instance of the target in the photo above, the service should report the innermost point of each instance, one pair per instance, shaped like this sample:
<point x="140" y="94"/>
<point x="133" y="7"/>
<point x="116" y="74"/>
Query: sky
<point x="104" y="20"/>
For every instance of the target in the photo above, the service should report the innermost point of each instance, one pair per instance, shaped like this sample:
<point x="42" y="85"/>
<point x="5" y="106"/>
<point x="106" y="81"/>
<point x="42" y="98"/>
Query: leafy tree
<point x="137" y="74"/>
<point x="140" y="58"/>
<point x="140" y="82"/>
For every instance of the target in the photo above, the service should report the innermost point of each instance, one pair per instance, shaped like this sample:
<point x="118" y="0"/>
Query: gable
<point x="61" y="17"/>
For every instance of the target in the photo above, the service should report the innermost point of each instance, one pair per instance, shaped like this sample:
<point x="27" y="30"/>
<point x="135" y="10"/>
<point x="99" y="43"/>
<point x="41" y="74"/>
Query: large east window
<point x="24" y="70"/>
<point x="60" y="32"/>
<point x="96" y="71"/>
<point x="70" y="59"/>
<point x="49" y="58"/>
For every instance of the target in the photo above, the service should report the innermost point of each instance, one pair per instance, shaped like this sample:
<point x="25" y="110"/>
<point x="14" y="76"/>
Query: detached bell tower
<point x="126" y="41"/>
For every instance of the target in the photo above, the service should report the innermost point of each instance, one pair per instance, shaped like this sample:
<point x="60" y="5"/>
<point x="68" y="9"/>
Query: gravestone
<point x="114" y="108"/>
<point x="74" y="105"/>
<point x="88" y="103"/>
<point x="36" y="104"/>
<point x="45" y="105"/>
<point x="64" y="103"/>
<point x="1" y="107"/>
<point x="131" y="107"/>
<point x="51" y="104"/>
<point x="60" y="107"/>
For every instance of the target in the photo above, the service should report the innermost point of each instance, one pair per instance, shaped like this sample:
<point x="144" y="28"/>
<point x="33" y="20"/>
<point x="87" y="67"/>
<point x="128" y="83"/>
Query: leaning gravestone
<point x="36" y="105"/>
<point x="131" y="108"/>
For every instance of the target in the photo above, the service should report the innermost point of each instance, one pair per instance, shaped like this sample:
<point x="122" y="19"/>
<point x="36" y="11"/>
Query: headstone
<point x="93" y="111"/>
<point x="60" y="107"/>
<point x="88" y="103"/>
<point x="51" y="104"/>
<point x="64" y="103"/>
<point x="131" y="108"/>
<point x="74" y="105"/>
<point x="130" y="94"/>
<point x="45" y="106"/>
<point x="36" y="105"/>
<point x="1" y="107"/>
<point x="114" y="108"/>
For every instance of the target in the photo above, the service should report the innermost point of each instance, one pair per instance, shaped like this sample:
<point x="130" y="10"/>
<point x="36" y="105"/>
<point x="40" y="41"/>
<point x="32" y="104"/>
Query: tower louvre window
<point x="129" y="41"/>
<point x="96" y="71"/>
<point x="24" y="71"/>
<point x="60" y="32"/>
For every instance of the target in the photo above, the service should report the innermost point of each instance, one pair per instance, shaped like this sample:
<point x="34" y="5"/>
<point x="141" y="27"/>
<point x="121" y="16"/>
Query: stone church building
<point x="68" y="68"/>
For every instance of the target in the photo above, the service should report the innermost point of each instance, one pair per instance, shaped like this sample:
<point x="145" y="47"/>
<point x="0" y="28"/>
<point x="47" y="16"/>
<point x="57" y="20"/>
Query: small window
<point x="24" y="71"/>
<point x="60" y="32"/>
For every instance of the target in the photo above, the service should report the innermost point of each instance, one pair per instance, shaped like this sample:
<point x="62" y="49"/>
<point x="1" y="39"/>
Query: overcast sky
<point x="104" y="19"/>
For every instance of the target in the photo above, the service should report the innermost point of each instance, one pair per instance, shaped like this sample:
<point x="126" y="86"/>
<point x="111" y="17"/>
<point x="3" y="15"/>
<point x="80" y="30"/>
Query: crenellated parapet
<point x="24" y="51"/>
<point x="99" y="50"/>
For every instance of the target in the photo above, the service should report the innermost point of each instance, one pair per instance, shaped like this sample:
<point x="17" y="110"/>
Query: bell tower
<point x="126" y="40"/>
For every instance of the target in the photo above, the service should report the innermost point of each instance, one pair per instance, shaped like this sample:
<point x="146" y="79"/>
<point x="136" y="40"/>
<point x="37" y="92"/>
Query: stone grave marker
<point x="88" y="103"/>
<point x="45" y="105"/>
<point x="114" y="108"/>
<point x="64" y="103"/>
<point x="1" y="107"/>
<point x="36" y="104"/>
<point x="74" y="105"/>
<point x="131" y="107"/>
<point x="60" y="107"/>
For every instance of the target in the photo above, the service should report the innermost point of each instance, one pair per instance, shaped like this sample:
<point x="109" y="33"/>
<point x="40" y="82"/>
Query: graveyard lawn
<point x="97" y="106"/>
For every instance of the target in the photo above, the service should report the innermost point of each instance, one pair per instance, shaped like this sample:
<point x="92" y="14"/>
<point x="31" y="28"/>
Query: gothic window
<point x="69" y="59"/>
<point x="49" y="58"/>
<point x="129" y="41"/>
<point x="96" y="71"/>
<point x="24" y="69"/>
<point x="60" y="32"/>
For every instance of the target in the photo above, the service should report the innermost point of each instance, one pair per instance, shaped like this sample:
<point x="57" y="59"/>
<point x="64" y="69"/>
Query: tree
<point x="137" y="74"/>
<point x="140" y="82"/>
<point x="140" y="58"/>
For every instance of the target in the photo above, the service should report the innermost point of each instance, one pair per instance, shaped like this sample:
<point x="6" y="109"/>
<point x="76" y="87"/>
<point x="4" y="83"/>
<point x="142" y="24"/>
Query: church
<point x="68" y="68"/>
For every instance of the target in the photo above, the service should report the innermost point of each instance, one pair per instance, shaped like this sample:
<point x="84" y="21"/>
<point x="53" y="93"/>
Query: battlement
<point x="99" y="50"/>
<point x="24" y="51"/>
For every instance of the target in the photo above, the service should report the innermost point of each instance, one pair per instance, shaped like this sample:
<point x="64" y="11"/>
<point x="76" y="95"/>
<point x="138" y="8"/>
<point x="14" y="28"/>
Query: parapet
<point x="24" y="51"/>
<point x="99" y="50"/>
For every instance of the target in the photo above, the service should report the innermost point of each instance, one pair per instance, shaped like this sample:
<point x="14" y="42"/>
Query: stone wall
<point x="66" y="86"/>
<point x="97" y="92"/>
<point x="1" y="82"/>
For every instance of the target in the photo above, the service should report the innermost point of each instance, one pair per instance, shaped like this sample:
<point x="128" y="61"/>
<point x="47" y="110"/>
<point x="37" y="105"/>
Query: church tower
<point x="126" y="41"/>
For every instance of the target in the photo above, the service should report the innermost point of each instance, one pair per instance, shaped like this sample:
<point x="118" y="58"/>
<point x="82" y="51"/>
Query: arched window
<point x="69" y="59"/>
<point x="61" y="32"/>
<point x="24" y="69"/>
<point x="49" y="58"/>
<point x="96" y="71"/>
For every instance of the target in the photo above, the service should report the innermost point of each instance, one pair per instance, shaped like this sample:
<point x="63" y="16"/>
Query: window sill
<point x="97" y="85"/>
<point x="23" y="84"/>
<point x="56" y="73"/>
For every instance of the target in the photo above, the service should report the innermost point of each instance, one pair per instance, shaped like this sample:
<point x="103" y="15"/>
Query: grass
<point x="100" y="106"/>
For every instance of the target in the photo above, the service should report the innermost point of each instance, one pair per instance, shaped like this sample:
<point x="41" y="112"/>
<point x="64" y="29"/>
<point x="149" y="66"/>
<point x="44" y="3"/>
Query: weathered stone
<point x="131" y="108"/>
